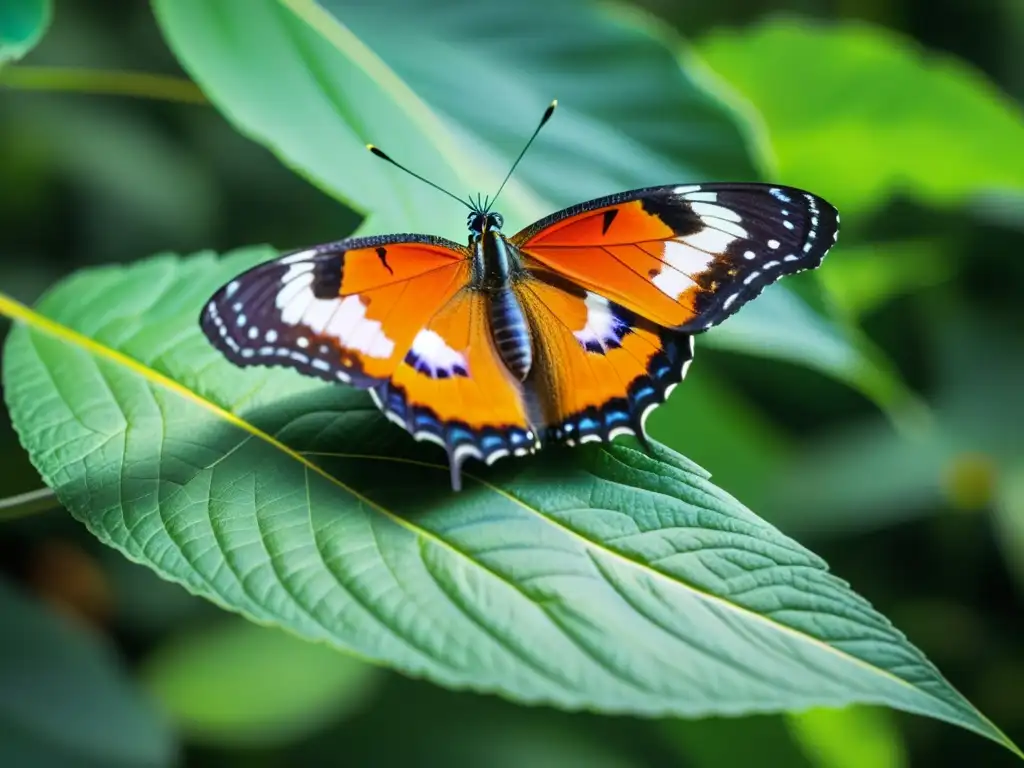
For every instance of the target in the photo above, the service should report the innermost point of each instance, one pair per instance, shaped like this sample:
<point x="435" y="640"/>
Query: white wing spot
<point x="681" y="261"/>
<point x="271" y="336"/>
<point x="293" y="258"/>
<point x="704" y="197"/>
<point x="345" y="319"/>
<point x="711" y="241"/>
<point x="788" y="224"/>
<point x="602" y="324"/>
<point x="749" y="255"/>
<point x="431" y="348"/>
<point x="774" y="244"/>
<point x="715" y="211"/>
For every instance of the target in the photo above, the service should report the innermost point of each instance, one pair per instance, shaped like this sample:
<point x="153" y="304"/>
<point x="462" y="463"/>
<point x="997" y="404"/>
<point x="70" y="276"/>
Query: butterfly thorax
<point x="496" y="266"/>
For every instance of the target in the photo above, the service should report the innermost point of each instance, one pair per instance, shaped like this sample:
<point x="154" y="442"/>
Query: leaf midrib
<point x="24" y="314"/>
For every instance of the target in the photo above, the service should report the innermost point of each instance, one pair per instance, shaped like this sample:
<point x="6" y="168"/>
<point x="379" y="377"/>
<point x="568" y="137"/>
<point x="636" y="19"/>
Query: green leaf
<point x="1009" y="521"/>
<point x="316" y="84"/>
<point x="875" y="116"/>
<point x="597" y="578"/>
<point x="863" y="278"/>
<point x="849" y="738"/>
<point x="950" y="461"/>
<point x="452" y="90"/>
<point x="22" y="24"/>
<point x="239" y="684"/>
<point x="64" y="699"/>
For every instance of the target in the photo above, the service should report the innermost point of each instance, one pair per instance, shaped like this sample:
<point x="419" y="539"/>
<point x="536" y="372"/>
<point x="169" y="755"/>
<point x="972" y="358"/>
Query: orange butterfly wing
<point x="684" y="257"/>
<point x="453" y="389"/>
<point x="346" y="311"/>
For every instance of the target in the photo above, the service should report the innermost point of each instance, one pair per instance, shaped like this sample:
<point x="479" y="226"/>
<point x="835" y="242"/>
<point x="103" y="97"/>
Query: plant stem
<point x="28" y="503"/>
<point x="102" y="82"/>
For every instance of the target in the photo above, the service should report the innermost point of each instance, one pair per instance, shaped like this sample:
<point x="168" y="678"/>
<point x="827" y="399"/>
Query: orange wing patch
<point x="602" y="368"/>
<point x="453" y="389"/>
<point x="347" y="312"/>
<point x="632" y="255"/>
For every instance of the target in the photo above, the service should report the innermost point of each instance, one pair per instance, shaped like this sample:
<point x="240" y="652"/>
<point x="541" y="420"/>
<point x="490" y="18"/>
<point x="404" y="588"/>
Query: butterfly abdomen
<point x="510" y="332"/>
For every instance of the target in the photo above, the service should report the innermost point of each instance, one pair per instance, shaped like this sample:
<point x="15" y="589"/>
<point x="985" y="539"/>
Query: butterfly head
<point x="483" y="221"/>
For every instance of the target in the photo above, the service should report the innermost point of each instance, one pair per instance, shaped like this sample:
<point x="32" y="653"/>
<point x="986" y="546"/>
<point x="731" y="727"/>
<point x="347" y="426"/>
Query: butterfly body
<point x="571" y="331"/>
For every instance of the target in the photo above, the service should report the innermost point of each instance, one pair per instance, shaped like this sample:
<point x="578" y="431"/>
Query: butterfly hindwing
<point x="346" y="311"/>
<point x="453" y="389"/>
<point x="684" y="257"/>
<point x="602" y="368"/>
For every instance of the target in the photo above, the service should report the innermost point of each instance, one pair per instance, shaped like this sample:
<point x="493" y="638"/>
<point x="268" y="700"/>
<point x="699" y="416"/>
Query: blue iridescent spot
<point x="517" y="437"/>
<point x="646" y="391"/>
<point x="425" y="420"/>
<point x="455" y="434"/>
<point x="588" y="423"/>
<point x="616" y="416"/>
<point x="491" y="442"/>
<point x="395" y="401"/>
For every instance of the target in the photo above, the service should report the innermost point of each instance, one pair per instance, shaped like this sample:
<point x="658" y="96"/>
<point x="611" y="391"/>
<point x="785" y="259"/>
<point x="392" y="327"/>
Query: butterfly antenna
<point x="547" y="116"/>
<point x="380" y="153"/>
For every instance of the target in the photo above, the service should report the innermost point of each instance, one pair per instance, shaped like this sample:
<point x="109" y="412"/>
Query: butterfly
<point x="570" y="331"/>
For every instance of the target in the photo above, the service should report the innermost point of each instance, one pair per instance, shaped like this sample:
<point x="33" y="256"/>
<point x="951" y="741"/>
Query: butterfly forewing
<point x="685" y="257"/>
<point x="347" y="311"/>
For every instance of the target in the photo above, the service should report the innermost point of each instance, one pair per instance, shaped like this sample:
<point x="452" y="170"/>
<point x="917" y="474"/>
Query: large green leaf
<point x="64" y="698"/>
<point x="452" y="89"/>
<point x="22" y="24"/>
<point x="859" y="113"/>
<point x="597" y="578"/>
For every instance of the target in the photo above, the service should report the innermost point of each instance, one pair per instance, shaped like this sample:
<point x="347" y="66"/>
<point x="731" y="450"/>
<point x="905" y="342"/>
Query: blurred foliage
<point x="22" y="25"/>
<point x="872" y="99"/>
<point x="238" y="684"/>
<point x="64" y="698"/>
<point x="914" y="124"/>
